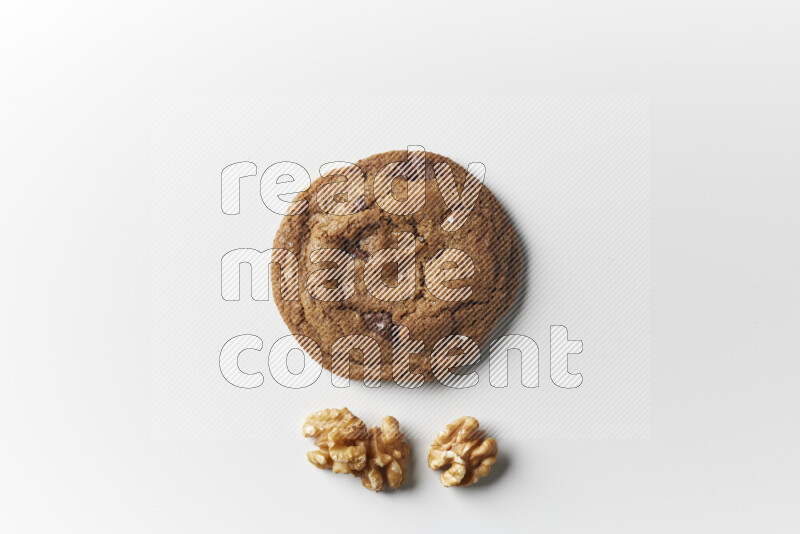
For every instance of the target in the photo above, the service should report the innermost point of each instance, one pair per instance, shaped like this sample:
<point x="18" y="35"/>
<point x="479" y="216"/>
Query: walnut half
<point x="387" y="453"/>
<point x="463" y="450"/>
<point x="377" y="456"/>
<point x="341" y="438"/>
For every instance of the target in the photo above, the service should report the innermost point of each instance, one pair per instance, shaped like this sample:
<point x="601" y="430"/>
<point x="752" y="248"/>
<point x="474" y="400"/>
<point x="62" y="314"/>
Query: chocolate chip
<point x="379" y="323"/>
<point x="361" y="204"/>
<point x="354" y="251"/>
<point x="427" y="174"/>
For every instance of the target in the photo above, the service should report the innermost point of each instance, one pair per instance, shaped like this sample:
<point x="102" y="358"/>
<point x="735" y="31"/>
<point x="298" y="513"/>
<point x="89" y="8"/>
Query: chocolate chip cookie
<point x="366" y="310"/>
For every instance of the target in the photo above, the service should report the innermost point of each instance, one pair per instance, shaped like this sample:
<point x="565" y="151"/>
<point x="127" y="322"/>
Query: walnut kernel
<point x="341" y="438"/>
<point x="377" y="456"/>
<point x="463" y="450"/>
<point x="387" y="453"/>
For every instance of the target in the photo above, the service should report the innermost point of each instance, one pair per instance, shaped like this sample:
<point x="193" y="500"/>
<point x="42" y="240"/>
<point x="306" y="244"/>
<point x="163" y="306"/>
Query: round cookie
<point x="486" y="236"/>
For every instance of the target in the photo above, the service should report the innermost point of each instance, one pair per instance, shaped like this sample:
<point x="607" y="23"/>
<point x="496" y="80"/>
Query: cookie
<point x="435" y="321"/>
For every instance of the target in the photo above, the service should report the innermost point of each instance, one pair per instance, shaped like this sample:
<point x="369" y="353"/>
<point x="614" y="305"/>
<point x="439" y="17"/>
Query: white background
<point x="78" y="453"/>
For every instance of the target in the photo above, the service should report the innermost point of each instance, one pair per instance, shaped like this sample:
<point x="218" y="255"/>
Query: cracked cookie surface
<point x="487" y="237"/>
